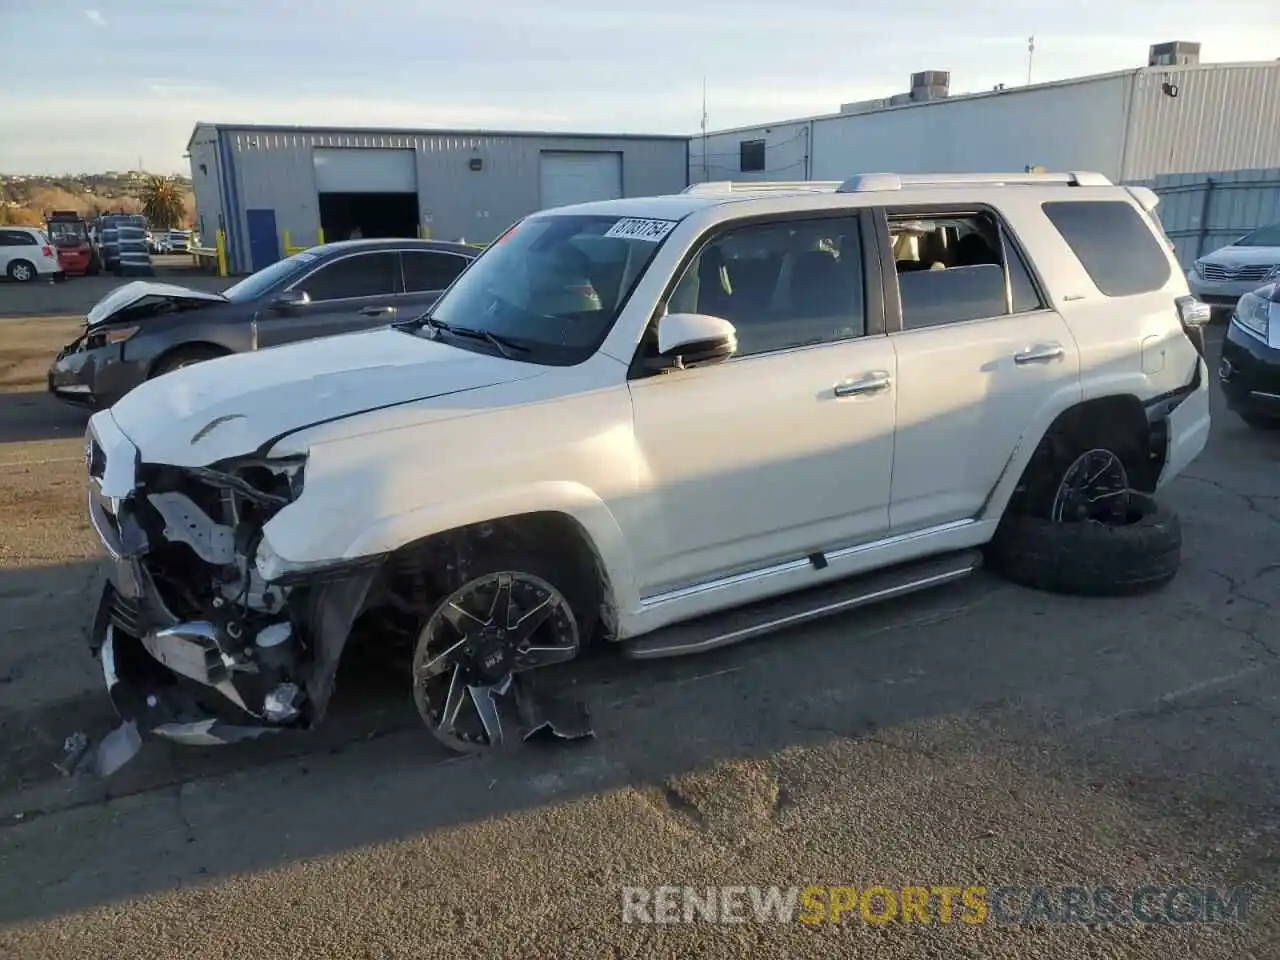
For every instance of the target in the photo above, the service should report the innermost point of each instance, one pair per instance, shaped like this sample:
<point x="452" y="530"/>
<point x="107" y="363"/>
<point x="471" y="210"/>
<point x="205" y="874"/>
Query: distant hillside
<point x="24" y="199"/>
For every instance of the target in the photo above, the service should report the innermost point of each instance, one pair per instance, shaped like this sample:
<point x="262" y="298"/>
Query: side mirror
<point x="289" y="299"/>
<point x="695" y="339"/>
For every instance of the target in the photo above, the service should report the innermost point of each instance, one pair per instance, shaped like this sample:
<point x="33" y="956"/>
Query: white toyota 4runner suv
<point x="668" y="423"/>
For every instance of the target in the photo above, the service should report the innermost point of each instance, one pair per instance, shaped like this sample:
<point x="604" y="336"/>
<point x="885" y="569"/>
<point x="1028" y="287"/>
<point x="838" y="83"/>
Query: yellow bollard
<point x="220" y="245"/>
<point x="288" y="247"/>
<point x="320" y="235"/>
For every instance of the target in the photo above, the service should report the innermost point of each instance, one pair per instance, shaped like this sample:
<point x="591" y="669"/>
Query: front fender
<point x="293" y="526"/>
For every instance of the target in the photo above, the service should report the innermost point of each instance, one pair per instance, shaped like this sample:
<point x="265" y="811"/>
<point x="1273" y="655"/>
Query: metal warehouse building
<point x="272" y="189"/>
<point x="1173" y="116"/>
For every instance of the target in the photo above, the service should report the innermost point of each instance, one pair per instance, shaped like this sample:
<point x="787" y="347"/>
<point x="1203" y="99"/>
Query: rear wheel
<point x="185" y="357"/>
<point x="23" y="271"/>
<point x="1081" y="523"/>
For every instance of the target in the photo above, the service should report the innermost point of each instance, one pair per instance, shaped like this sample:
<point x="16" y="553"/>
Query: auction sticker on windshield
<point x="632" y="228"/>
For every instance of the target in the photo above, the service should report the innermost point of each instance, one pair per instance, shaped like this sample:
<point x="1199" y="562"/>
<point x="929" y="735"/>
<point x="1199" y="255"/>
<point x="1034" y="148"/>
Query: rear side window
<point x="430" y="271"/>
<point x="1118" y="251"/>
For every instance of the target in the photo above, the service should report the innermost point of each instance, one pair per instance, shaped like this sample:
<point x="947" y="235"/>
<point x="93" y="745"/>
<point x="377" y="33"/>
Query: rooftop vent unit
<point x="930" y="85"/>
<point x="1173" y="54"/>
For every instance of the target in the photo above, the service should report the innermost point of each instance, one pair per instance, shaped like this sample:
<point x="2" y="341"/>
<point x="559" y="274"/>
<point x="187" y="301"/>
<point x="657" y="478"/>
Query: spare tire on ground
<point x="1089" y="558"/>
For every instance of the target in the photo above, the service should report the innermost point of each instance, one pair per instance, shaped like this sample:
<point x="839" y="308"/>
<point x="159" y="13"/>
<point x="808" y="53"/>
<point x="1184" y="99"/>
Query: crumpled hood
<point x="1243" y="256"/>
<point x="234" y="405"/>
<point x="126" y="296"/>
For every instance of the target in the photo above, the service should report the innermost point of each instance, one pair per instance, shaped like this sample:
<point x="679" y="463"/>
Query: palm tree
<point x="162" y="203"/>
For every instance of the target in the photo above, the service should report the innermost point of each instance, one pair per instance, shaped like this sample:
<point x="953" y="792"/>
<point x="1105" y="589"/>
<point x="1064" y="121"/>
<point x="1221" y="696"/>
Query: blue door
<point x="264" y="244"/>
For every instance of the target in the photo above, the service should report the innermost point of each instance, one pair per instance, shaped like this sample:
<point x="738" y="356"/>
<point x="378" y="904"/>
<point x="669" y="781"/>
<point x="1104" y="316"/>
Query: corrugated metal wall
<point x="786" y="152"/>
<point x="204" y="182"/>
<point x="1223" y="118"/>
<point x="1074" y="126"/>
<point x="1202" y="212"/>
<point x="273" y="169"/>
<point x="1123" y="125"/>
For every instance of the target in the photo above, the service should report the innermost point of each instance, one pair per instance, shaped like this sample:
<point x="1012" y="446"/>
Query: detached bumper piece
<point x="173" y="682"/>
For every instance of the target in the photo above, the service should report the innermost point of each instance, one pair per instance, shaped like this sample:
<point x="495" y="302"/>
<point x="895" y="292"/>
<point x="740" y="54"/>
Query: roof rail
<point x="724" y="188"/>
<point x="876" y="182"/>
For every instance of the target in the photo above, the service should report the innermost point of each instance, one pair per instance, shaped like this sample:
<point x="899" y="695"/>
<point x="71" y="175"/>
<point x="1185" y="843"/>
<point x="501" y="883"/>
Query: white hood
<point x="231" y="406"/>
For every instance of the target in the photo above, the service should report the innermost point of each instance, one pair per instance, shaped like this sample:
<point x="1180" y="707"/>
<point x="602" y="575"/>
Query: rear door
<point x="980" y="354"/>
<point x="357" y="291"/>
<point x="427" y="274"/>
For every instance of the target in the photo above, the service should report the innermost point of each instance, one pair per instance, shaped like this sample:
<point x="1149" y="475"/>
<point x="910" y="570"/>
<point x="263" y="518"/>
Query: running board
<point x="765" y="616"/>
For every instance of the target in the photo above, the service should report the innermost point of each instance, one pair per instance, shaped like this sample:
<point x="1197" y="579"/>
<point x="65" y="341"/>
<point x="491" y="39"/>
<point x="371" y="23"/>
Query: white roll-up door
<point x="369" y="170"/>
<point x="579" y="177"/>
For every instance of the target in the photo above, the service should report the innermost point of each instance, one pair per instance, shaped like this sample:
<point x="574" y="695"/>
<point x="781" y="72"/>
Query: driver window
<point x="782" y="285"/>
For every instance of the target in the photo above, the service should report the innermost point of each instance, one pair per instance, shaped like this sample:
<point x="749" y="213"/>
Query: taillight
<point x="1194" y="315"/>
<point x="47" y="251"/>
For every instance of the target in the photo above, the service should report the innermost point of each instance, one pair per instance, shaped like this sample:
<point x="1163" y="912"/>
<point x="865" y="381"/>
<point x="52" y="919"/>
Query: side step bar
<point x="766" y="616"/>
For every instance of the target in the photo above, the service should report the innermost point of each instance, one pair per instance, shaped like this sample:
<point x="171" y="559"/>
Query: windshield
<point x="553" y="284"/>
<point x="1268" y="236"/>
<point x="255" y="285"/>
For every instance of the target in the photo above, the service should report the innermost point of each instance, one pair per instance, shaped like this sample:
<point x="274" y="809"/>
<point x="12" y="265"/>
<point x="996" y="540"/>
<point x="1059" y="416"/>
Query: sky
<point x="115" y="84"/>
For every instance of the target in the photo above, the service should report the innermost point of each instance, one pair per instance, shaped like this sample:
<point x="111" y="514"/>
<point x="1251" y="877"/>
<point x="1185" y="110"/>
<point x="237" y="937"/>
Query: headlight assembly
<point x="1253" y="314"/>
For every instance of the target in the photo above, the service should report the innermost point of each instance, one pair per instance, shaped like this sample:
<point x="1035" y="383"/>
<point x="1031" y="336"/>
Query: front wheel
<point x="507" y="619"/>
<point x="185" y="357"/>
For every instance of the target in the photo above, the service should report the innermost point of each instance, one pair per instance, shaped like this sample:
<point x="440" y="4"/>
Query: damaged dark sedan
<point x="143" y="329"/>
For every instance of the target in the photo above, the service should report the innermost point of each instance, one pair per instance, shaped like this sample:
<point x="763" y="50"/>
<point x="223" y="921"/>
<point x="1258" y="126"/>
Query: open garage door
<point x="367" y="192"/>
<point x="579" y="177"/>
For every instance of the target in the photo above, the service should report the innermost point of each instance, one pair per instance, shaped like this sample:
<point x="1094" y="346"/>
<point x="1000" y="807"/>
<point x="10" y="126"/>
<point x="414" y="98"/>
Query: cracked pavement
<point x="981" y="733"/>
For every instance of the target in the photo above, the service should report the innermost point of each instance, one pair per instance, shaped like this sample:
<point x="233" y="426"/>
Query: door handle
<point x="376" y="311"/>
<point x="872" y="383"/>
<point x="1052" y="351"/>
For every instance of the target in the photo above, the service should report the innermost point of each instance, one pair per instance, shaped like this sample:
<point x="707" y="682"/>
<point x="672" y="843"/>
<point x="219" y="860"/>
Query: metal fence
<point x="1204" y="211"/>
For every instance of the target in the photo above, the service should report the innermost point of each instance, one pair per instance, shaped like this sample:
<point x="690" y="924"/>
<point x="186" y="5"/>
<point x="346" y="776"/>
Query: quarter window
<point x="1117" y="250"/>
<point x="782" y="285"/>
<point x="362" y="275"/>
<point x="430" y="271"/>
<point x="951" y="268"/>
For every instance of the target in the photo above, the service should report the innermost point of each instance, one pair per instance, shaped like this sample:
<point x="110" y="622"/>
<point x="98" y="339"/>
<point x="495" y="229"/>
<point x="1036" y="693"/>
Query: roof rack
<point x="876" y="182"/>
<point x="724" y="188"/>
<point x="881" y="182"/>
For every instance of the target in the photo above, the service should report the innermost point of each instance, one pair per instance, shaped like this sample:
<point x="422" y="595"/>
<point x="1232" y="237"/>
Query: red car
<point x="70" y="237"/>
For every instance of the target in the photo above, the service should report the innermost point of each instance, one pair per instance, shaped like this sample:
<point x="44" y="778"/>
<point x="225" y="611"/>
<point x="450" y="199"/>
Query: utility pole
<point x="706" y="160"/>
<point x="1031" y="52"/>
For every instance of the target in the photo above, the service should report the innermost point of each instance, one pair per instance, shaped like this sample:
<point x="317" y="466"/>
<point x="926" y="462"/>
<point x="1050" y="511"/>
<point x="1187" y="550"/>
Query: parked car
<point x="69" y="233"/>
<point x="26" y="254"/>
<point x="142" y="329"/>
<point x="671" y="423"/>
<point x="179" y="241"/>
<point x="1249" y="368"/>
<point x="1222" y="277"/>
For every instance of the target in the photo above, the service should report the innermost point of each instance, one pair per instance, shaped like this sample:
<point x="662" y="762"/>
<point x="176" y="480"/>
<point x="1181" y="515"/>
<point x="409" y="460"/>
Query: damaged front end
<point x="196" y="644"/>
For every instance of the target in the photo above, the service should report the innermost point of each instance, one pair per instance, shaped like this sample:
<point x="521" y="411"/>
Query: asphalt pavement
<point x="980" y="734"/>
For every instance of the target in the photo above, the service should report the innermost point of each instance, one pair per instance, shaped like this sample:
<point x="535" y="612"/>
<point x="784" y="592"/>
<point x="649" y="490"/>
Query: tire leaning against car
<point x="1091" y="558"/>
